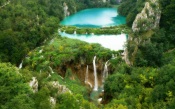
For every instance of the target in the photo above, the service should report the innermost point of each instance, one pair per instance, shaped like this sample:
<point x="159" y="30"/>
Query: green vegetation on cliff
<point x="148" y="82"/>
<point x="25" y="24"/>
<point x="53" y="72"/>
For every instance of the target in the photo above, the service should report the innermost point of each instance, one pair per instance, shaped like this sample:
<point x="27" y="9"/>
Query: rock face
<point x="8" y="2"/>
<point x="34" y="84"/>
<point x="104" y="1"/>
<point x="65" y="8"/>
<point x="52" y="101"/>
<point x="118" y="1"/>
<point x="149" y="17"/>
<point x="61" y="88"/>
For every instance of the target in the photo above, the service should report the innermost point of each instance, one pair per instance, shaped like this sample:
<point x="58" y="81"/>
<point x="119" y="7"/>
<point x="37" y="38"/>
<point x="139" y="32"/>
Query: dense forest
<point x="25" y="24"/>
<point x="148" y="82"/>
<point x="52" y="69"/>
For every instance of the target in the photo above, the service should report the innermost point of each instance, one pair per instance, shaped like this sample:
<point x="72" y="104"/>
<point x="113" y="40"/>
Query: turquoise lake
<point x="97" y="18"/>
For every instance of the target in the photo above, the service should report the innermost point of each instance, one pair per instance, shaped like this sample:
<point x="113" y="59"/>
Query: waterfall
<point x="86" y="76"/>
<point x="51" y="69"/>
<point x="49" y="75"/>
<point x="59" y="31"/>
<point x="95" y="75"/>
<point x="40" y="51"/>
<point x="20" y="65"/>
<point x="113" y="56"/>
<point x="89" y="84"/>
<point x="105" y="74"/>
<point x="99" y="100"/>
<point x="75" y="32"/>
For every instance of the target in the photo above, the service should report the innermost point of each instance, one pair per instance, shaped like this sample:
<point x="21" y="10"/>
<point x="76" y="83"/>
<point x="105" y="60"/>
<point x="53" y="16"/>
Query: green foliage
<point x="149" y="54"/>
<point x="143" y="87"/>
<point x="116" y="85"/>
<point x="131" y="89"/>
<point x="13" y="87"/>
<point x="25" y="24"/>
<point x="130" y="8"/>
<point x="105" y="30"/>
<point x="41" y="99"/>
<point x="69" y="101"/>
<point x="116" y="104"/>
<point x="16" y="94"/>
<point x="64" y="51"/>
<point x="20" y="102"/>
<point x="167" y="21"/>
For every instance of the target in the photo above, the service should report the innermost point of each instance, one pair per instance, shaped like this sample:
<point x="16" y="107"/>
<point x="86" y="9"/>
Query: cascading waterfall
<point x="95" y="75"/>
<point x="20" y="65"/>
<point x="40" y="51"/>
<point x="86" y="76"/>
<point x="75" y="32"/>
<point x="113" y="56"/>
<point x="105" y="74"/>
<point x="59" y="31"/>
<point x="51" y="69"/>
<point x="105" y="71"/>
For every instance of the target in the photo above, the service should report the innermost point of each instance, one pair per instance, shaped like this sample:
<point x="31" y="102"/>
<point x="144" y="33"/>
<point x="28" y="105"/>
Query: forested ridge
<point x="51" y="74"/>
<point x="149" y="81"/>
<point x="25" y="24"/>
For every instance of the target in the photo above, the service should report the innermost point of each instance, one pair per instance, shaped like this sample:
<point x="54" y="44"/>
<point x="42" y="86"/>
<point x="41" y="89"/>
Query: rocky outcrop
<point x="61" y="88"/>
<point x="149" y="17"/>
<point x="104" y="1"/>
<point x="52" y="101"/>
<point x="8" y="2"/>
<point x="125" y="57"/>
<point x="118" y="1"/>
<point x="65" y="8"/>
<point x="34" y="84"/>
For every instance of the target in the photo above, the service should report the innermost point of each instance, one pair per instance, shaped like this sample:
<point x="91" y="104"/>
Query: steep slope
<point x="148" y="82"/>
<point x="25" y="24"/>
<point x="63" y="55"/>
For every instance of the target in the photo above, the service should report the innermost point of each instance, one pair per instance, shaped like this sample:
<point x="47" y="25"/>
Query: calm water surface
<point x="97" y="17"/>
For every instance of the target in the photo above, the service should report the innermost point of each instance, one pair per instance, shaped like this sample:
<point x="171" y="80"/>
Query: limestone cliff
<point x="60" y="88"/>
<point x="34" y="84"/>
<point x="148" y="18"/>
<point x="118" y="1"/>
<point x="65" y="8"/>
